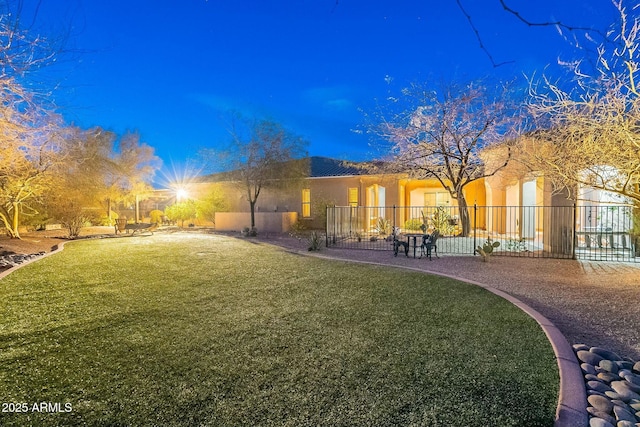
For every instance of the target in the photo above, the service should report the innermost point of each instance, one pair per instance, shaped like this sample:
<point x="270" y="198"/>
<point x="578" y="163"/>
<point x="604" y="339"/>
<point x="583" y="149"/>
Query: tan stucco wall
<point x="274" y="222"/>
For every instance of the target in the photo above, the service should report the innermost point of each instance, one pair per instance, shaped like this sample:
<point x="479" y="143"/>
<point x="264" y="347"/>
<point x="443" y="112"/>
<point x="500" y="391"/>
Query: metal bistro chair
<point x="429" y="244"/>
<point x="397" y="244"/>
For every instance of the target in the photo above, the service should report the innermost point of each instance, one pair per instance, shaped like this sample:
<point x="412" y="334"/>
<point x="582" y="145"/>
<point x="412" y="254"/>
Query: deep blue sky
<point x="171" y="70"/>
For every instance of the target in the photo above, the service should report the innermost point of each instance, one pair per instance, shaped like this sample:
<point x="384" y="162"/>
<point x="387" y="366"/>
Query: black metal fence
<point x="599" y="232"/>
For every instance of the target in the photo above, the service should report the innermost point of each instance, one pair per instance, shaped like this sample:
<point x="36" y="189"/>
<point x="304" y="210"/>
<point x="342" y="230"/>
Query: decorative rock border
<point x="12" y="260"/>
<point x="22" y="260"/>
<point x="613" y="387"/>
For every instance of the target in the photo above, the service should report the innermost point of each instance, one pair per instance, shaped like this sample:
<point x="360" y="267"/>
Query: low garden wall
<point x="273" y="222"/>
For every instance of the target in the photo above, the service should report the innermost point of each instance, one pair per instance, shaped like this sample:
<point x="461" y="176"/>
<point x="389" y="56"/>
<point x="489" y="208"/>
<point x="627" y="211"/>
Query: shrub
<point x="413" y="224"/>
<point x="249" y="232"/>
<point x="517" y="245"/>
<point x="315" y="241"/>
<point x="105" y="220"/>
<point x="298" y="229"/>
<point x="383" y="226"/>
<point x="156" y="216"/>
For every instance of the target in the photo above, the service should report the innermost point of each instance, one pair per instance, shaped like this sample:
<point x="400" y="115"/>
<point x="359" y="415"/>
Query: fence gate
<point x="603" y="233"/>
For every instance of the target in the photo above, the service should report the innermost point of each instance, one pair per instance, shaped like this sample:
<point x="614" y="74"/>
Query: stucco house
<point x="515" y="205"/>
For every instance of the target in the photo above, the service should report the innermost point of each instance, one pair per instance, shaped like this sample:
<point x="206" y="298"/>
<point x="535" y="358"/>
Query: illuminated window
<point x="306" y="203"/>
<point x="353" y="197"/>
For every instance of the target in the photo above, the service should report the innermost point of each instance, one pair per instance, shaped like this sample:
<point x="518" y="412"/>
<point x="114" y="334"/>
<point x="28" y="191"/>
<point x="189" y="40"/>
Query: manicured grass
<point x="192" y="329"/>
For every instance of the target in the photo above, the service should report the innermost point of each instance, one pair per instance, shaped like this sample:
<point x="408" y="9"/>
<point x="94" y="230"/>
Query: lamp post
<point x="137" y="209"/>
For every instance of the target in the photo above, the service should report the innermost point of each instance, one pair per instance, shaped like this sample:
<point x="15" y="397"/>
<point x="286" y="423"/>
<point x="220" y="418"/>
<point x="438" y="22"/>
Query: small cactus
<point x="487" y="249"/>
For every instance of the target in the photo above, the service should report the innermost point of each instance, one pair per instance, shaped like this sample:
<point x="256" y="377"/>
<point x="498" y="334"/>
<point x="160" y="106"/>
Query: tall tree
<point x="75" y="197"/>
<point x="589" y="129"/>
<point x="29" y="132"/>
<point x="131" y="167"/>
<point x="98" y="169"/>
<point x="441" y="134"/>
<point x="263" y="154"/>
<point x="29" y="147"/>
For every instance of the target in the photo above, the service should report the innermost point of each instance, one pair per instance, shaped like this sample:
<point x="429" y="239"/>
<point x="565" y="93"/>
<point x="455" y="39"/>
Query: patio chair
<point x="429" y="244"/>
<point x="398" y="243"/>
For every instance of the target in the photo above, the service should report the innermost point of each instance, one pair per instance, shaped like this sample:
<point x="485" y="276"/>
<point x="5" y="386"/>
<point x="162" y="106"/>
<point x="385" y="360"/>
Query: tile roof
<point x="325" y="167"/>
<point x="319" y="167"/>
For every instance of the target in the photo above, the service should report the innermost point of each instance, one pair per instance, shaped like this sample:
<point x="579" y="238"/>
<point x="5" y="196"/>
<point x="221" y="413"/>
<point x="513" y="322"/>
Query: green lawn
<point x="191" y="329"/>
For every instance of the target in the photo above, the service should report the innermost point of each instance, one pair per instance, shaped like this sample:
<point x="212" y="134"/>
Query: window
<point x="353" y="197"/>
<point x="437" y="198"/>
<point x="306" y="202"/>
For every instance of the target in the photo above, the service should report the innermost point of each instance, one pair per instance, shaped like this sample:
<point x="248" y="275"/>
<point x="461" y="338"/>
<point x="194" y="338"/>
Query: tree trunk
<point x="252" y="206"/>
<point x="15" y="221"/>
<point x="463" y="212"/>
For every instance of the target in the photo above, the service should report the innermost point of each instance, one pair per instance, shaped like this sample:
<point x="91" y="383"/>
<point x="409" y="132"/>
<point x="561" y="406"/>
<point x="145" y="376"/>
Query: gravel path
<point x="592" y="303"/>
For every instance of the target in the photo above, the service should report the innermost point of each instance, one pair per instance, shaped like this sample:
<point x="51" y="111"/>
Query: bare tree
<point x="567" y="30"/>
<point x="441" y="134"/>
<point x="22" y="49"/>
<point x="590" y="134"/>
<point x="263" y="154"/>
<point x="29" y="132"/>
<point x="29" y="147"/>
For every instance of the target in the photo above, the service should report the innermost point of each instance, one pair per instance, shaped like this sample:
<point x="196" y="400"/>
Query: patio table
<point x="414" y="236"/>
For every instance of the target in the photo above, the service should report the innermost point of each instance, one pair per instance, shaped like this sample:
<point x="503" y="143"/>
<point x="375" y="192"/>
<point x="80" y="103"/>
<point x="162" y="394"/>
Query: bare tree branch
<point x="477" y="34"/>
<point x="558" y="24"/>
<point x="442" y="135"/>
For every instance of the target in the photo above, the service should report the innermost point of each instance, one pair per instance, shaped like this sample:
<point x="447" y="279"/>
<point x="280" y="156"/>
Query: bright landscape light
<point x="181" y="194"/>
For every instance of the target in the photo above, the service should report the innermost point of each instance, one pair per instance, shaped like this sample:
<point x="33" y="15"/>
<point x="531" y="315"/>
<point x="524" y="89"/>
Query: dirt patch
<point x="45" y="240"/>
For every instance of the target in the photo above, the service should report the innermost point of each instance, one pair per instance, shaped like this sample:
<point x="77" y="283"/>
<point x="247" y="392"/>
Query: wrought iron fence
<point x="574" y="232"/>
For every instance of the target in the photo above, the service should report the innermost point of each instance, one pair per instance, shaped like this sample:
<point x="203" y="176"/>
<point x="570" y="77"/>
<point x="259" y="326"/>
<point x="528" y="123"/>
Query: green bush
<point x="104" y="219"/>
<point x="156" y="216"/>
<point x="413" y="224"/>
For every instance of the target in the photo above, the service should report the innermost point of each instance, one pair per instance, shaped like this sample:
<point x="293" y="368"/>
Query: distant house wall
<point x="358" y="190"/>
